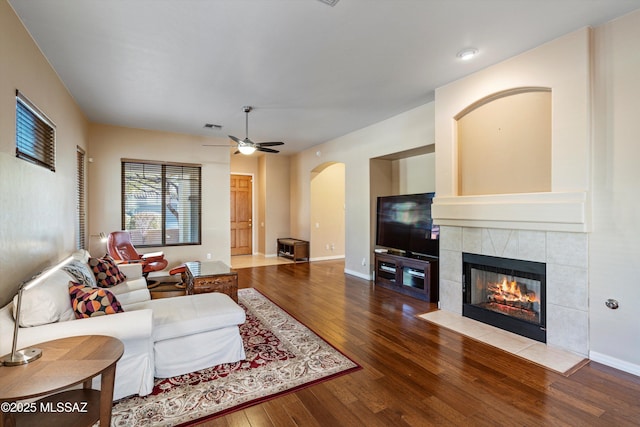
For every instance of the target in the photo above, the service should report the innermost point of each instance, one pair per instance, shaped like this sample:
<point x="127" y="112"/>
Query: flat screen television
<point x="404" y="223"/>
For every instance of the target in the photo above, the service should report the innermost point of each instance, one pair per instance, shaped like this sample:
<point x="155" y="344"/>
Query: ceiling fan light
<point x="246" y="149"/>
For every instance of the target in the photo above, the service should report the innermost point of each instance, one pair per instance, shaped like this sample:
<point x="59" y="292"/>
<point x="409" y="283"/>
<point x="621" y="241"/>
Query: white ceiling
<point x="312" y="72"/>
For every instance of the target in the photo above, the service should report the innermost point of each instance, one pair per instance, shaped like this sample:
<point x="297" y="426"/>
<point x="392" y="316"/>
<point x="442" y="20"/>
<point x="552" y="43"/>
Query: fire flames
<point x="511" y="293"/>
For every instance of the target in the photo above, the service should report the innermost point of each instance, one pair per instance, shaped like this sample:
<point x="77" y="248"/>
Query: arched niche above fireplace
<point x="504" y="143"/>
<point x="562" y="65"/>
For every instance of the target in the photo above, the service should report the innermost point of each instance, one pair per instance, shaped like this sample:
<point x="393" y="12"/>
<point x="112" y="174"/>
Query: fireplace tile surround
<point x="566" y="257"/>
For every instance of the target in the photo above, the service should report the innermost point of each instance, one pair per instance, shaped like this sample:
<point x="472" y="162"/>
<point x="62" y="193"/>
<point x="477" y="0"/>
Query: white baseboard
<point x="357" y="274"/>
<point x="327" y="258"/>
<point x="615" y="363"/>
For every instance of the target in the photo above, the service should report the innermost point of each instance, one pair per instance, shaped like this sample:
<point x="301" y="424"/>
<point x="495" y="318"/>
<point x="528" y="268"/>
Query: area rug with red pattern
<point x="282" y="356"/>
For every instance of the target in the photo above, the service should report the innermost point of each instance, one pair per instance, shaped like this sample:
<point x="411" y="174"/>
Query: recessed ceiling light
<point x="467" y="54"/>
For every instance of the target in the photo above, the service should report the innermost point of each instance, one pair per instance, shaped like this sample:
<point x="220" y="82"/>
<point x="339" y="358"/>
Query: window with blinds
<point x="161" y="203"/>
<point x="35" y="134"/>
<point x="81" y="239"/>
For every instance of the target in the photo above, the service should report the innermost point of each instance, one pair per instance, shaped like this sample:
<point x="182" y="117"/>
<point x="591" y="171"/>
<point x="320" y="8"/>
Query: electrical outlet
<point x="364" y="262"/>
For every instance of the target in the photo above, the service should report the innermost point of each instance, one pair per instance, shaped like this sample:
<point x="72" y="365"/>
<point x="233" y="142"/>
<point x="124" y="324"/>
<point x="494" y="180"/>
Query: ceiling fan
<point x="247" y="146"/>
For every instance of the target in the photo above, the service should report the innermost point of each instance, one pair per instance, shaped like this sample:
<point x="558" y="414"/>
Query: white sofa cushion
<point x="131" y="291"/>
<point x="47" y="302"/>
<point x="132" y="271"/>
<point x="191" y="314"/>
<point x="134" y="289"/>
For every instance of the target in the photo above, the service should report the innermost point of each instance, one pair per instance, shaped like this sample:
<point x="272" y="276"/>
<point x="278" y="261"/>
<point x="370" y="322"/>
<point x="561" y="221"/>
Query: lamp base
<point x="21" y="357"/>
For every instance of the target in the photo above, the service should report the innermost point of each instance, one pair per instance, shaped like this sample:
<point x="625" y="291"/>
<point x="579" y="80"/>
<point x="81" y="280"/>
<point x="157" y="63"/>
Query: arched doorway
<point x="327" y="211"/>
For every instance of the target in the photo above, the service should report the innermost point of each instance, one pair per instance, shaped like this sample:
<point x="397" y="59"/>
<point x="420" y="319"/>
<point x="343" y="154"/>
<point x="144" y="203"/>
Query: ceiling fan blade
<point x="235" y="139"/>
<point x="218" y="145"/>
<point x="266" y="150"/>
<point x="237" y="152"/>
<point x="269" y="144"/>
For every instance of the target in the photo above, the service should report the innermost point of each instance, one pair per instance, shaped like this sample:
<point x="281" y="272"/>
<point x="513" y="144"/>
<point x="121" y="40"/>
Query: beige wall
<point x="109" y="144"/>
<point x="412" y="129"/>
<point x="414" y="175"/>
<point x="262" y="204"/>
<point x="327" y="212"/>
<point x="37" y="206"/>
<point x="276" y="202"/>
<point x="615" y="241"/>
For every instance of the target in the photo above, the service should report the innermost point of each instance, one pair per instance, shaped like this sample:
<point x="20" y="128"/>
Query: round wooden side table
<point x="64" y="363"/>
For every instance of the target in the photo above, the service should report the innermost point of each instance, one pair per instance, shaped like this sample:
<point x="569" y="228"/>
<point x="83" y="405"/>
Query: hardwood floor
<point x="418" y="374"/>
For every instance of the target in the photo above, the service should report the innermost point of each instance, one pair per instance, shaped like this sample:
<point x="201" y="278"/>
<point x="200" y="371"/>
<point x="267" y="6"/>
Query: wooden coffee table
<point x="64" y="363"/>
<point x="211" y="276"/>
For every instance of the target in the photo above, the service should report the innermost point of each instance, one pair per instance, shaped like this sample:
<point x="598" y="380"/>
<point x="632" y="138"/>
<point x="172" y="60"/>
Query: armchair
<point x="120" y="248"/>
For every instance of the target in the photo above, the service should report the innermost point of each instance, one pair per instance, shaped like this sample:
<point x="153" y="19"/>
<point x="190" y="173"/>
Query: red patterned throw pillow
<point x="106" y="271"/>
<point x="92" y="302"/>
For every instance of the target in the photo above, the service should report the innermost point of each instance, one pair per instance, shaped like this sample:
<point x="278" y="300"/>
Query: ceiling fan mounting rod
<point x="247" y="109"/>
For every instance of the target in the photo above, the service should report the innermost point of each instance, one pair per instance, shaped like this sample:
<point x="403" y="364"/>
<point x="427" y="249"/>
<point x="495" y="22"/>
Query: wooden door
<point x="241" y="228"/>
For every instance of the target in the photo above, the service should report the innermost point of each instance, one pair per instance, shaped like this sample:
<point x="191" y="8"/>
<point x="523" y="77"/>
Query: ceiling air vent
<point x="212" y="126"/>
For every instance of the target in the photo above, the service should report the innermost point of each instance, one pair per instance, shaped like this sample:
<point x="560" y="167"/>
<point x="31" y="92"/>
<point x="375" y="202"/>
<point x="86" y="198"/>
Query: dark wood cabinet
<point x="414" y="276"/>
<point x="295" y="249"/>
<point x="211" y="276"/>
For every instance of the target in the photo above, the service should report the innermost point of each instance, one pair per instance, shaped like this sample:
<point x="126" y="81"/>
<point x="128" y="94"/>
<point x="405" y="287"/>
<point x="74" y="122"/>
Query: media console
<point x="413" y="276"/>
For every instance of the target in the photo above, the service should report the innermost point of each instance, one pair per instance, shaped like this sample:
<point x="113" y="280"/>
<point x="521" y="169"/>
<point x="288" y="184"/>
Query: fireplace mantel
<point x="555" y="211"/>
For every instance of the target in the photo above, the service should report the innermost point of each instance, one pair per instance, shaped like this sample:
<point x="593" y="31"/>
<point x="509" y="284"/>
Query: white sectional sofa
<point x="162" y="338"/>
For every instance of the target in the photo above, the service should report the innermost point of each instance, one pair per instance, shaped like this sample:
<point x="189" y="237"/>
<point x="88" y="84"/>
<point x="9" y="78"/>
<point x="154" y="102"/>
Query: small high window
<point x="35" y="134"/>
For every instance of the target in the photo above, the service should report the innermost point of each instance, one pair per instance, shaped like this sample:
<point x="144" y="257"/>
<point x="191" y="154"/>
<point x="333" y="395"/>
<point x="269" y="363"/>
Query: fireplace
<point x="505" y="293"/>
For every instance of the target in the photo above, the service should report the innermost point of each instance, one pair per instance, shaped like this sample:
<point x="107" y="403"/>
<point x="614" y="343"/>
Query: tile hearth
<point x="558" y="360"/>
